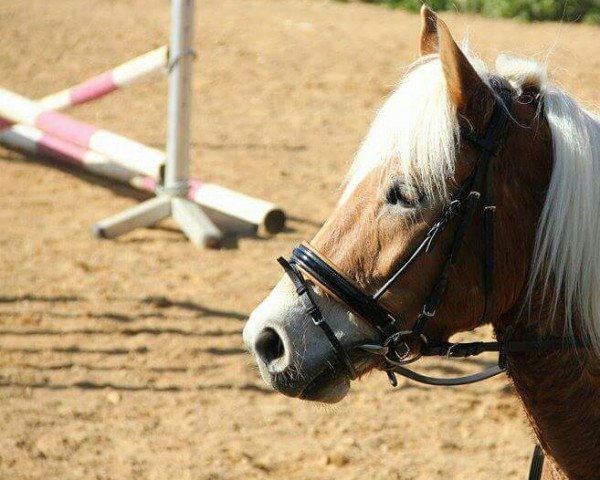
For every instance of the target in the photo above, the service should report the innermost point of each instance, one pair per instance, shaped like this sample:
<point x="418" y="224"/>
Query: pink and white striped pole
<point x="130" y="154"/>
<point x="226" y="207"/>
<point x="42" y="130"/>
<point x="107" y="82"/>
<point x="33" y="141"/>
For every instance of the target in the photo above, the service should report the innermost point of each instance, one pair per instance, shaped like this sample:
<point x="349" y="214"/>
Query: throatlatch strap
<point x="537" y="464"/>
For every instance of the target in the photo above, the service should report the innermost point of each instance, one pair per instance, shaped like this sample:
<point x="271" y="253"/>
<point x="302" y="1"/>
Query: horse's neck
<point x="561" y="395"/>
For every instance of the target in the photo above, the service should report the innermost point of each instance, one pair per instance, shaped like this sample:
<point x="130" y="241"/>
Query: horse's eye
<point x="404" y="195"/>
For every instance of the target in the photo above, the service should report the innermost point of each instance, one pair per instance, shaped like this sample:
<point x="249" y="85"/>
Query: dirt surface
<point x="123" y="359"/>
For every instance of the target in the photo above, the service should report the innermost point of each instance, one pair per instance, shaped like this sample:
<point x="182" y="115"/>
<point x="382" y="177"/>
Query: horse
<point x="474" y="199"/>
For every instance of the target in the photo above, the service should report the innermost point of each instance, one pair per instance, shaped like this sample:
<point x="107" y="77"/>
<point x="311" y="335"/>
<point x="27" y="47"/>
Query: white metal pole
<point x="172" y="196"/>
<point x="180" y="95"/>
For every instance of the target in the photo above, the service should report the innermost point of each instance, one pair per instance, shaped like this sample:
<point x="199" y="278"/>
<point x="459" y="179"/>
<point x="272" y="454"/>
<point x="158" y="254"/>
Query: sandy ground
<point x="123" y="359"/>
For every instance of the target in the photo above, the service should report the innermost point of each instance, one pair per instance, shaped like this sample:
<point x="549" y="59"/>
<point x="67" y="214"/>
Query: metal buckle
<point x="432" y="236"/>
<point x="405" y="346"/>
<point x="302" y="289"/>
<point x="438" y="227"/>
<point x="393" y="320"/>
<point x="453" y="208"/>
<point x="315" y="315"/>
<point x="402" y="351"/>
<point x="427" y="313"/>
<point x="374" y="349"/>
<point x="450" y="348"/>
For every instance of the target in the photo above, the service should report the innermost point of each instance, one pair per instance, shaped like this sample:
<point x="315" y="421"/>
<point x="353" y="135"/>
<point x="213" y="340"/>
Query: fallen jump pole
<point x="32" y="141"/>
<point x="129" y="153"/>
<point x="172" y="197"/>
<point x="249" y="210"/>
<point x="107" y="82"/>
<point x="227" y="208"/>
<point x="58" y="136"/>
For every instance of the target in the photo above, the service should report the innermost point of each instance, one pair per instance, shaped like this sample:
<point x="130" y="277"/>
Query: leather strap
<point x="471" y="349"/>
<point x="439" y="289"/>
<point x="455" y="208"/>
<point x="447" y="382"/>
<point x="311" y="308"/>
<point x="537" y="464"/>
<point x="355" y="298"/>
<point x="500" y="127"/>
<point x="489" y="146"/>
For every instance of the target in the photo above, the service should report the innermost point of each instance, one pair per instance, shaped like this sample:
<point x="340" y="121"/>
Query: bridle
<point x="398" y="345"/>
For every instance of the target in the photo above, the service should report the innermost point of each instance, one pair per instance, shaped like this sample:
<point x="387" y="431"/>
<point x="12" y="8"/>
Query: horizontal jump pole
<point x="222" y="204"/>
<point x="33" y="141"/>
<point x="109" y="81"/>
<point x="93" y="88"/>
<point x="122" y="150"/>
<point x="229" y="202"/>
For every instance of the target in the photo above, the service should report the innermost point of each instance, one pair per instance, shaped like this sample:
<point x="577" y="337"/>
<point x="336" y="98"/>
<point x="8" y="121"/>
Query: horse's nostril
<point x="269" y="346"/>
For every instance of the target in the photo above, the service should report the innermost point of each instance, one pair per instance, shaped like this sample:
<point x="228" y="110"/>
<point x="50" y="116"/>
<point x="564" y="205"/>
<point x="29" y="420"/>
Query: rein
<point x="399" y="346"/>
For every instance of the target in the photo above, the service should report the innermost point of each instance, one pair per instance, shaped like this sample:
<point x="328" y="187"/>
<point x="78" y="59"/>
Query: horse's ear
<point x="471" y="96"/>
<point x="428" y="42"/>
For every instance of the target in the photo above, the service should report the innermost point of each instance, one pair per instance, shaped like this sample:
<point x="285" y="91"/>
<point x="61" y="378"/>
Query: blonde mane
<point x="567" y="252"/>
<point x="414" y="133"/>
<point x="415" y="136"/>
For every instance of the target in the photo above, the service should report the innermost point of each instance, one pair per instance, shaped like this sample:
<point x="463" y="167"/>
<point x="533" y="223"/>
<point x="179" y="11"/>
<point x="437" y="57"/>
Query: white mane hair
<point x="567" y="251"/>
<point x="416" y="131"/>
<point x="415" y="136"/>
